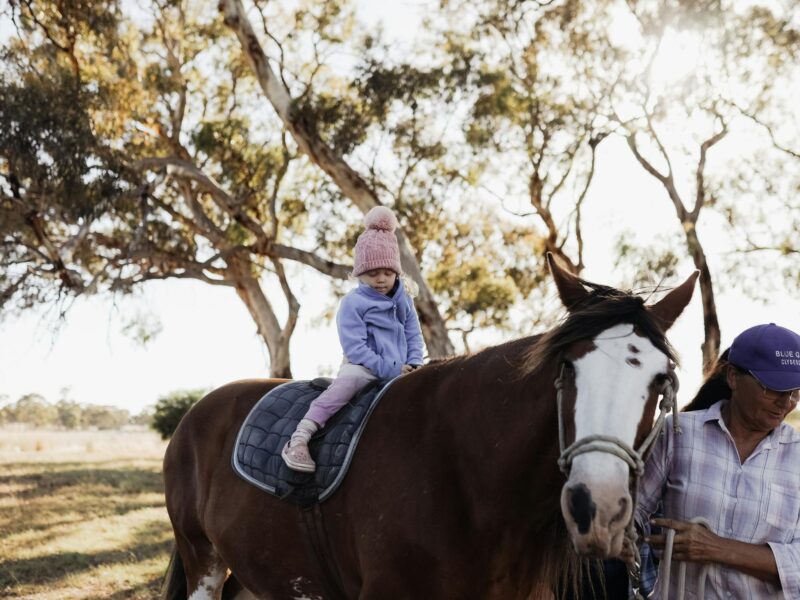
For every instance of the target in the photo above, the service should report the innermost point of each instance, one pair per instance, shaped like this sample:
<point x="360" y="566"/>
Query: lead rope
<point x="612" y="445"/>
<point x="667" y="565"/>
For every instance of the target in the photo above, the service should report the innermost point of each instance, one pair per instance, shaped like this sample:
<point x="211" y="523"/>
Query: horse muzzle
<point x="596" y="516"/>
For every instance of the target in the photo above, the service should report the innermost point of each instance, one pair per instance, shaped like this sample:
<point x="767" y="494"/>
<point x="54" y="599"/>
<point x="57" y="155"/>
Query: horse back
<point x="202" y="445"/>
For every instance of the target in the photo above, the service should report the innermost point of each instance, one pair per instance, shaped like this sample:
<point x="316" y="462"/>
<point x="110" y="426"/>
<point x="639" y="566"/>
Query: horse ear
<point x="570" y="289"/>
<point x="671" y="306"/>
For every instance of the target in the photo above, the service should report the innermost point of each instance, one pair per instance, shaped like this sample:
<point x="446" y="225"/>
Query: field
<point x="82" y="515"/>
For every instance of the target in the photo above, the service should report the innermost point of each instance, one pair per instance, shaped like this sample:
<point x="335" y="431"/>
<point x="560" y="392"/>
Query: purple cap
<point x="772" y="355"/>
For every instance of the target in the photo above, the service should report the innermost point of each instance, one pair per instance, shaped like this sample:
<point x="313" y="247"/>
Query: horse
<point x="455" y="490"/>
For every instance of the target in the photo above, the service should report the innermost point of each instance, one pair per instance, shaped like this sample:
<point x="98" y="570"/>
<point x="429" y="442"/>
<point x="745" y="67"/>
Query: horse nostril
<point x="581" y="507"/>
<point x="623" y="508"/>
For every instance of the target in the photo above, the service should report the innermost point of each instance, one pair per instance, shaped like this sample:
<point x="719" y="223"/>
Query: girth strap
<point x="312" y="525"/>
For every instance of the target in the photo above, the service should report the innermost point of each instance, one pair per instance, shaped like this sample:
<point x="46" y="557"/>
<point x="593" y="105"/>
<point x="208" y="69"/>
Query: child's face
<point x="380" y="280"/>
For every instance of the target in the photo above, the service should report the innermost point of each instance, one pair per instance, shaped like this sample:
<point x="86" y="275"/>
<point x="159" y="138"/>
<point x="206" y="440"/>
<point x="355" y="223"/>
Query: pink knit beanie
<point x="376" y="248"/>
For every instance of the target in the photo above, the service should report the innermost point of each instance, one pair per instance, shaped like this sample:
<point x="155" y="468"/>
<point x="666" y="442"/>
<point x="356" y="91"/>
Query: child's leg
<point x="339" y="393"/>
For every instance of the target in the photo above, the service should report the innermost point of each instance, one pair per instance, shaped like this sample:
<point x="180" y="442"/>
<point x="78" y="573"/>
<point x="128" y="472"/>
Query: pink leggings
<point x="350" y="380"/>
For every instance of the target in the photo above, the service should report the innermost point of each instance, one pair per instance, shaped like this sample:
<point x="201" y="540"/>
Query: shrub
<point x="170" y="409"/>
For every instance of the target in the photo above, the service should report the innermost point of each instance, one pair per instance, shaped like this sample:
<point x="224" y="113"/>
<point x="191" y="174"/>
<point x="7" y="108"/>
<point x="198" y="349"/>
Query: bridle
<point x="634" y="458"/>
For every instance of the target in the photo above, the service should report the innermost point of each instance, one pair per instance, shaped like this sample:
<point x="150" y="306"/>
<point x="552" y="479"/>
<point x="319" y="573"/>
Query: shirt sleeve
<point x="353" y="337"/>
<point x="414" y="341"/>
<point x="787" y="557"/>
<point x="652" y="482"/>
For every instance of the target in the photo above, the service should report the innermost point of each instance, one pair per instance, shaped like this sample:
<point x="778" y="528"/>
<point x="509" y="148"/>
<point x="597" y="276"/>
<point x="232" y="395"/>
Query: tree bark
<point x="688" y="221"/>
<point x="711" y="339"/>
<point x="345" y="177"/>
<point x="276" y="338"/>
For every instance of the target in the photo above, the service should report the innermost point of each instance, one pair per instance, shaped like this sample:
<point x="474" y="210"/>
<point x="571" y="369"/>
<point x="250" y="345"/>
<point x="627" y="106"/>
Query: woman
<point x="736" y="464"/>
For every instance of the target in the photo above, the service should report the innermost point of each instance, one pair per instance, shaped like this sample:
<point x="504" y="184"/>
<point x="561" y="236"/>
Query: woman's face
<point x="761" y="408"/>
<point x="380" y="280"/>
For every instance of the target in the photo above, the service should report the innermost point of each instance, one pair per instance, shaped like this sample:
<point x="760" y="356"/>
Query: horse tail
<point x="174" y="585"/>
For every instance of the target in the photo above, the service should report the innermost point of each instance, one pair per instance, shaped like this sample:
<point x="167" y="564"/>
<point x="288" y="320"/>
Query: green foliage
<point x="169" y="410"/>
<point x="104" y="417"/>
<point x="70" y="414"/>
<point x="137" y="149"/>
<point x="34" y="411"/>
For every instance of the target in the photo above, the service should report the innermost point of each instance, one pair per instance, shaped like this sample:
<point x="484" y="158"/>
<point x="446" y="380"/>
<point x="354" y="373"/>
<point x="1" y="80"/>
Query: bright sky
<point x="208" y="338"/>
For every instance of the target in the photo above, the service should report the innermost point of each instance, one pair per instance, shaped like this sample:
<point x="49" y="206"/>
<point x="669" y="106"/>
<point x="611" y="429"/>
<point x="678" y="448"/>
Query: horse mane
<point x="714" y="388"/>
<point x="602" y="308"/>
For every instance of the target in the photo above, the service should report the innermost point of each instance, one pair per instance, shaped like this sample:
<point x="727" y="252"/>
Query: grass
<point x="82" y="515"/>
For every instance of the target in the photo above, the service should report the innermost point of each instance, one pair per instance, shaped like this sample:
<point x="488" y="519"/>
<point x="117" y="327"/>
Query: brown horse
<point x="455" y="491"/>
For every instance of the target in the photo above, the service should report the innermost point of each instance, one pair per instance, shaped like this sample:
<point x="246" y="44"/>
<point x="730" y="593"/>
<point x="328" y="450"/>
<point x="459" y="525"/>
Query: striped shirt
<point x="698" y="474"/>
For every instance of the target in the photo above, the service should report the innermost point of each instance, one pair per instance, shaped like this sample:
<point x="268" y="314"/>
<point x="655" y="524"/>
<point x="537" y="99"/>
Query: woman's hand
<point x="696" y="543"/>
<point x="408" y="369"/>
<point x="693" y="542"/>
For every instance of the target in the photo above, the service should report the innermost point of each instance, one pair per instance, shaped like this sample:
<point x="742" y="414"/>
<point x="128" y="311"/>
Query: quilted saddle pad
<point x="270" y="424"/>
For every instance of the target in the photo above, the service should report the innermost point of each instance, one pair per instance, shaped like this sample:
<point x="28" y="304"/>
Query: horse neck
<point x="505" y="432"/>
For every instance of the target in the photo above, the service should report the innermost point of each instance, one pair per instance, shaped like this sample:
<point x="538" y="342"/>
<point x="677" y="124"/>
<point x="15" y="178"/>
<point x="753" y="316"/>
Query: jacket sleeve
<point x="414" y="341"/>
<point x="353" y="337"/>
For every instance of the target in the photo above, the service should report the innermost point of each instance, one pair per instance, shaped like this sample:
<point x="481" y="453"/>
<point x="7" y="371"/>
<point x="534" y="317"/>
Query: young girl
<point x="378" y="329"/>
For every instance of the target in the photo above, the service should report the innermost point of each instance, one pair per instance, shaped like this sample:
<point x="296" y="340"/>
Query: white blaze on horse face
<point x="612" y="384"/>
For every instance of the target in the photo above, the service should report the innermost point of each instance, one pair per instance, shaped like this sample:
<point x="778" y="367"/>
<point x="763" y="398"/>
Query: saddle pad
<point x="270" y="424"/>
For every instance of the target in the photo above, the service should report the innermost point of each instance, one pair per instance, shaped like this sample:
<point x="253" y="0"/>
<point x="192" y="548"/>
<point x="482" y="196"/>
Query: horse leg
<point x="205" y="571"/>
<point x="233" y="590"/>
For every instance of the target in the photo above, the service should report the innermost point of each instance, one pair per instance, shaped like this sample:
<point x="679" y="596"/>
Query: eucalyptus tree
<point x="387" y="129"/>
<point x="711" y="73"/>
<point x="158" y="163"/>
<point x="124" y="162"/>
<point x="535" y="118"/>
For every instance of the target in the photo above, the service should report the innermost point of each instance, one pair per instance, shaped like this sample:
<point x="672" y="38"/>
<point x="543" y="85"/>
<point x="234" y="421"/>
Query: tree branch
<point x="700" y="192"/>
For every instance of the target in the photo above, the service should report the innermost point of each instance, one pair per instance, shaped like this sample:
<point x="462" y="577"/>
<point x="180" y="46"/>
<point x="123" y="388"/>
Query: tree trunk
<point x="346" y="178"/>
<point x="260" y="309"/>
<point x="711" y="339"/>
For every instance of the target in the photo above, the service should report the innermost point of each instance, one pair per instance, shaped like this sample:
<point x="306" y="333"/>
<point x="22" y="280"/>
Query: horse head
<point x="615" y="364"/>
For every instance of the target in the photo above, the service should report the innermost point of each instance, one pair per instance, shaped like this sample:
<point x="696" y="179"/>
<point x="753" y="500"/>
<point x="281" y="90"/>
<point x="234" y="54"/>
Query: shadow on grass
<point x="50" y="568"/>
<point x="148" y="589"/>
<point x="55" y="478"/>
<point x="46" y="530"/>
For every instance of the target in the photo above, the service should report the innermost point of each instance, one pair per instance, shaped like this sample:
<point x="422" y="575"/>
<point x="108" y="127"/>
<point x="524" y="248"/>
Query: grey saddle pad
<point x="270" y="424"/>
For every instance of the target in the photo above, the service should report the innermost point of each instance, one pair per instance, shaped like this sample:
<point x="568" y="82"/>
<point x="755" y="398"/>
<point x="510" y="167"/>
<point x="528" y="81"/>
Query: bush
<point x="170" y="409"/>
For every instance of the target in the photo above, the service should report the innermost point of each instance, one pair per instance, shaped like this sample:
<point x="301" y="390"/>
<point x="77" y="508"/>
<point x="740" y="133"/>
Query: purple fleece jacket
<point x="380" y="332"/>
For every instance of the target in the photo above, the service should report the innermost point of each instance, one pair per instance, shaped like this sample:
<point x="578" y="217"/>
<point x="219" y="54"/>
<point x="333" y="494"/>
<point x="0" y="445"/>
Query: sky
<point x="208" y="338"/>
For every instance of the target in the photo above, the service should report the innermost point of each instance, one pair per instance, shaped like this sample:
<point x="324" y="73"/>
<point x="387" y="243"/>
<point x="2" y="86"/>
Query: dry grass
<point x="82" y="515"/>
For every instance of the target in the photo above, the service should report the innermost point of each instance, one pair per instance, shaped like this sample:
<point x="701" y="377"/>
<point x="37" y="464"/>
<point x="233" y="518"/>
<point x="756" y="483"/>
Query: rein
<point x="634" y="458"/>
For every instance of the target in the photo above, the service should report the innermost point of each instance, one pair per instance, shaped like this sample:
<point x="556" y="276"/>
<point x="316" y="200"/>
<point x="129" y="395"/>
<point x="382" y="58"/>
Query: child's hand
<point x="407" y="369"/>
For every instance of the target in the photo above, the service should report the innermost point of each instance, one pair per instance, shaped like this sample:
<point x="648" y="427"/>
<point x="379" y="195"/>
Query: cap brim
<point x="780" y="381"/>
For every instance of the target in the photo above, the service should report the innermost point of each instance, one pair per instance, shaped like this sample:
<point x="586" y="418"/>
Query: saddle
<point x="271" y="422"/>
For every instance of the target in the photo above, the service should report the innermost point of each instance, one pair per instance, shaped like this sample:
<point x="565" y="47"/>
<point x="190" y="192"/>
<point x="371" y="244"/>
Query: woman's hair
<point x="714" y="388"/>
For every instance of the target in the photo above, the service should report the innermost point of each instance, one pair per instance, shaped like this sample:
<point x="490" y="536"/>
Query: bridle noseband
<point x="634" y="458"/>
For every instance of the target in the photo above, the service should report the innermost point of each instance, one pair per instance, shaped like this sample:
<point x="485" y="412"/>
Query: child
<point x="378" y="329"/>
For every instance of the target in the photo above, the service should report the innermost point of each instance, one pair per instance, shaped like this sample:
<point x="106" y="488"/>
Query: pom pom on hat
<point x="376" y="247"/>
<point x="381" y="218"/>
